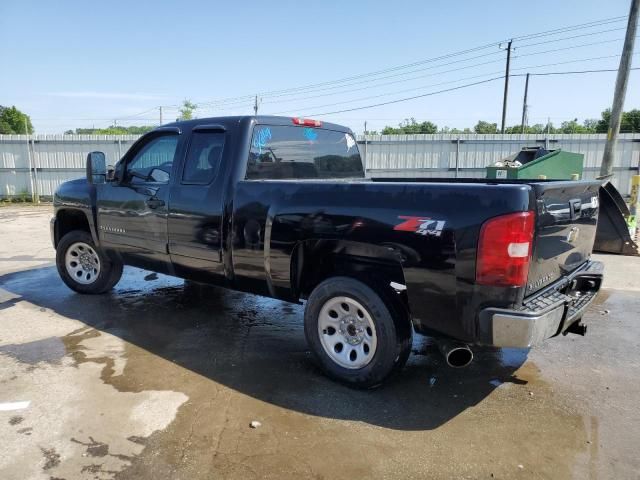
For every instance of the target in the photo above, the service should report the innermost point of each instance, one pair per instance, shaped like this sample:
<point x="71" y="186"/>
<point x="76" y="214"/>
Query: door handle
<point x="154" y="203"/>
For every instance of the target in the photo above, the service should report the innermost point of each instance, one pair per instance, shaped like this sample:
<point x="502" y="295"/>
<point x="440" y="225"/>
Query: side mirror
<point x="158" y="175"/>
<point x="96" y="168"/>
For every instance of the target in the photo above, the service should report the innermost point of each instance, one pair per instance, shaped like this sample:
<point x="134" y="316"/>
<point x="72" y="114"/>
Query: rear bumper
<point x="546" y="315"/>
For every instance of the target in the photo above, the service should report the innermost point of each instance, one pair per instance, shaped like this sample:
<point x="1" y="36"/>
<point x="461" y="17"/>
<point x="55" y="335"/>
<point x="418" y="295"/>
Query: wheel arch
<point x="378" y="267"/>
<point x="68" y="220"/>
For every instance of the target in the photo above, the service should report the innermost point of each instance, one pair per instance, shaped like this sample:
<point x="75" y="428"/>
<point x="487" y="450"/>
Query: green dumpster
<point x="537" y="162"/>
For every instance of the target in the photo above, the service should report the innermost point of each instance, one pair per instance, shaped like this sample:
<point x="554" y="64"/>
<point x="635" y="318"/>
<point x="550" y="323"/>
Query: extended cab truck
<point x="280" y="207"/>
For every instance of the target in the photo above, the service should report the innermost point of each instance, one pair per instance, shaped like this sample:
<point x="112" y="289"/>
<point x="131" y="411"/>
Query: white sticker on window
<point x="350" y="141"/>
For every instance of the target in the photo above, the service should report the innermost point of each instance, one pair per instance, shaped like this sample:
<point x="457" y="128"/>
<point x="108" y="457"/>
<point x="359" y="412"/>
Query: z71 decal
<point x="421" y="225"/>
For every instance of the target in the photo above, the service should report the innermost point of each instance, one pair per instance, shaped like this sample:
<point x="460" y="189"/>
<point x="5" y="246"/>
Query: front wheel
<point x="352" y="333"/>
<point x="84" y="267"/>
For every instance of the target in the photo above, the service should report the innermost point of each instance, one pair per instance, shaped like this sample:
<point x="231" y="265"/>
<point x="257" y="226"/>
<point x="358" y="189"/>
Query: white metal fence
<point x="38" y="164"/>
<point x="466" y="156"/>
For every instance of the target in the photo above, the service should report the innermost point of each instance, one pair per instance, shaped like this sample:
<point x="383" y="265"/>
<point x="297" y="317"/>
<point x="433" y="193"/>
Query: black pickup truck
<point x="280" y="207"/>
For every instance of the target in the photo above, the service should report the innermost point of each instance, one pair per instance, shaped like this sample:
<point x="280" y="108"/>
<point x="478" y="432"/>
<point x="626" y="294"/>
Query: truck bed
<point x="438" y="266"/>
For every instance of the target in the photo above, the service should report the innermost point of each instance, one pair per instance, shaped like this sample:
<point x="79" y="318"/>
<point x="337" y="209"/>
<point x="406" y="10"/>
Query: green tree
<point x="187" y="109"/>
<point x="112" y="130"/>
<point x="13" y="120"/>
<point x="485" y="127"/>
<point x="603" y="123"/>
<point x="536" y="128"/>
<point x="630" y="122"/>
<point x="410" y="126"/>
<point x="591" y="124"/>
<point x="528" y="129"/>
<point x="571" y="126"/>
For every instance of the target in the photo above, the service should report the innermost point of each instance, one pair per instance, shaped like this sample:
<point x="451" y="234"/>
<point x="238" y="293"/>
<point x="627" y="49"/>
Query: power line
<point x="575" y="72"/>
<point x="429" y="75"/>
<point x="342" y="82"/>
<point x="433" y="74"/>
<point x="456" y="81"/>
<point x="594" y="23"/>
<point x="459" y="88"/>
<point x="571" y="38"/>
<point x="136" y="114"/>
<point x="530" y="67"/>
<point x="571" y="47"/>
<point x="421" y="62"/>
<point x="410" y="98"/>
<point x="369" y="97"/>
<point x="372" y="80"/>
<point x="565" y="62"/>
<point x="488" y="45"/>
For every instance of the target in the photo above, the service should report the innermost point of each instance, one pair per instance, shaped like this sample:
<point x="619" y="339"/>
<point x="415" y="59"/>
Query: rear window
<point x="290" y="152"/>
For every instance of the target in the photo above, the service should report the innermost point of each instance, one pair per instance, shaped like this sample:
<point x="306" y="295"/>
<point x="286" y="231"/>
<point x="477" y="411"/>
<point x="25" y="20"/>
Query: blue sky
<point x="81" y="64"/>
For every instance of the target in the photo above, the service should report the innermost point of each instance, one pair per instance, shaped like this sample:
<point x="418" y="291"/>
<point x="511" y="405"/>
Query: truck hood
<point x="75" y="193"/>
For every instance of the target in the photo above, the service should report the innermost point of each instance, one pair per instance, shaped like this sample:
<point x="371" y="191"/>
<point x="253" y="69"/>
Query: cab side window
<point x="203" y="158"/>
<point x="153" y="163"/>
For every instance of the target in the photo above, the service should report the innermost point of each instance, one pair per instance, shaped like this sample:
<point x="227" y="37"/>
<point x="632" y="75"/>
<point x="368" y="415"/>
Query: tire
<point x="94" y="272"/>
<point x="367" y="320"/>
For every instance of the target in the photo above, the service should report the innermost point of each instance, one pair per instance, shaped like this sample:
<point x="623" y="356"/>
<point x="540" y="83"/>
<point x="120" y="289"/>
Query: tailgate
<point x="566" y="221"/>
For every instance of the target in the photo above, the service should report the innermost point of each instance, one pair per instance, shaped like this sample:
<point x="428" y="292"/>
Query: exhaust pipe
<point x="457" y="354"/>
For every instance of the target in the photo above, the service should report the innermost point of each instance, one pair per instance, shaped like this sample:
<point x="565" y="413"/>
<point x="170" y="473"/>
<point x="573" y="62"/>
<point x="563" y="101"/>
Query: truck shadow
<point x="256" y="346"/>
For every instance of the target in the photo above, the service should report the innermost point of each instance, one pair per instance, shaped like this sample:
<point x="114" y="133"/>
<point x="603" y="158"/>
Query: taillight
<point x="504" y="250"/>
<point x="307" y="122"/>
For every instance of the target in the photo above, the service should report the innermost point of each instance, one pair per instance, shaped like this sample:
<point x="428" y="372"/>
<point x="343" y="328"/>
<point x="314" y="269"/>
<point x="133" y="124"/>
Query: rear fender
<point x="376" y="266"/>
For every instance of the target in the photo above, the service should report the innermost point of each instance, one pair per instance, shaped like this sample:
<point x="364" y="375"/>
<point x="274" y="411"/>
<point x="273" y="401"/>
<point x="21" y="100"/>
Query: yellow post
<point x="634" y="207"/>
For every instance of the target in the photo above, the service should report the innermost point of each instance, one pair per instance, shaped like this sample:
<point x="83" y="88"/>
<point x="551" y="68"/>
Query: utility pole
<point x="160" y="108"/>
<point x="524" y="103"/>
<point x="606" y="169"/>
<point x="546" y="140"/>
<point x="364" y="158"/>
<point x="33" y="185"/>
<point x="255" y="106"/>
<point x="506" y="86"/>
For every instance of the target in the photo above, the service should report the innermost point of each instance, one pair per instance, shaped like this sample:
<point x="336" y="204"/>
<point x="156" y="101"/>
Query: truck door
<point x="132" y="212"/>
<point x="195" y="210"/>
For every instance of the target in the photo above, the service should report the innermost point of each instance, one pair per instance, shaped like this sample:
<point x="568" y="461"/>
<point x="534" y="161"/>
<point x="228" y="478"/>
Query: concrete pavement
<point x="159" y="379"/>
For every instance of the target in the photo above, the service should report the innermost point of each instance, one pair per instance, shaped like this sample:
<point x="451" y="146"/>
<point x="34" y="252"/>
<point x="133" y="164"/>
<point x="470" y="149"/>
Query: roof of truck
<point x="259" y="119"/>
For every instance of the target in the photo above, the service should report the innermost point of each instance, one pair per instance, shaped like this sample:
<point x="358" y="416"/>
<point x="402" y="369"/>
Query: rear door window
<point x="292" y="152"/>
<point x="203" y="158"/>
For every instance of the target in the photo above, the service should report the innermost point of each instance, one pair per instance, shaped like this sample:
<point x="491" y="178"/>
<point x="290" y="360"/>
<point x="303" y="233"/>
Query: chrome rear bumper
<point x="546" y="315"/>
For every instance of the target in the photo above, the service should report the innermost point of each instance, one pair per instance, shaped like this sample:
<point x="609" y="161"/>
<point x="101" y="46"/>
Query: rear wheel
<point x="353" y="334"/>
<point x="84" y="267"/>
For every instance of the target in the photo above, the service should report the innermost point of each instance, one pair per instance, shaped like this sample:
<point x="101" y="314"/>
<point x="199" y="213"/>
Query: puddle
<point x="49" y="350"/>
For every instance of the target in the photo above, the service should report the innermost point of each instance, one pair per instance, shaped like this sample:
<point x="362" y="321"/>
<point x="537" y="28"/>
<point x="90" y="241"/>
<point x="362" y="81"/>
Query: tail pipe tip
<point x="457" y="354"/>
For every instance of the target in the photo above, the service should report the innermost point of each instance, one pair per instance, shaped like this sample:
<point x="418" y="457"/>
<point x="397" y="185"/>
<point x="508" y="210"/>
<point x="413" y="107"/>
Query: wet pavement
<point x="161" y="379"/>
